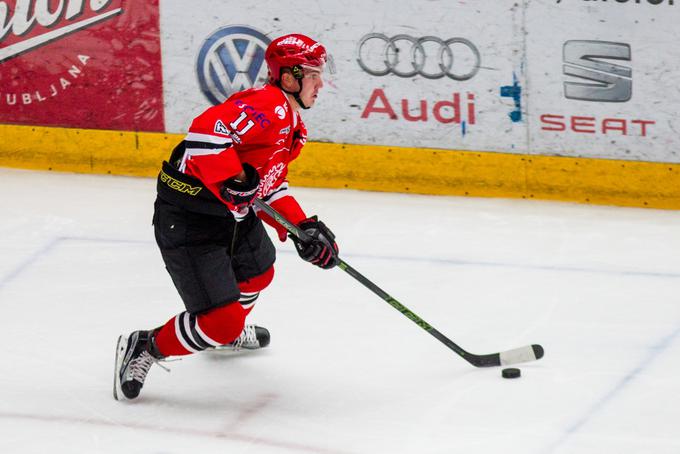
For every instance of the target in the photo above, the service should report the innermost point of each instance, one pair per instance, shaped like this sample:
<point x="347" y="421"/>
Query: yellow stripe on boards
<point x="85" y="150"/>
<point x="368" y="167"/>
<point x="485" y="174"/>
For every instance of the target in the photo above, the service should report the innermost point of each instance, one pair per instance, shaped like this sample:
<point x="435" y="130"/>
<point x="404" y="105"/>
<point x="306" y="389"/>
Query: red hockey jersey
<point x="257" y="126"/>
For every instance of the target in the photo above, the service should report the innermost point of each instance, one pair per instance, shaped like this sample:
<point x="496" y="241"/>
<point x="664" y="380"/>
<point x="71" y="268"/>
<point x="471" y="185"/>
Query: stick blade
<point x="522" y="355"/>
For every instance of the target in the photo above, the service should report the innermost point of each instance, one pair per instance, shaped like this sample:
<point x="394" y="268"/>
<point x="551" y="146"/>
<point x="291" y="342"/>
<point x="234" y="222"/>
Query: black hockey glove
<point x="321" y="250"/>
<point x="239" y="193"/>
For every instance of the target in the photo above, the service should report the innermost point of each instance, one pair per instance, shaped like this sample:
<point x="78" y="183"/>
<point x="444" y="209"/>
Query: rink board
<point x="572" y="78"/>
<point x="495" y="98"/>
<point x="375" y="168"/>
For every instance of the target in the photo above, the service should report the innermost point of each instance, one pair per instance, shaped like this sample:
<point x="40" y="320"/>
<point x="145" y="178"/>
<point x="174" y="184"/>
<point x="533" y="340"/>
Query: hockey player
<point x="211" y="239"/>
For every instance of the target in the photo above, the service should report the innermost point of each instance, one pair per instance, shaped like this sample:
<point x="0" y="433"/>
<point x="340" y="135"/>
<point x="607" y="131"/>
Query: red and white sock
<point x="188" y="333"/>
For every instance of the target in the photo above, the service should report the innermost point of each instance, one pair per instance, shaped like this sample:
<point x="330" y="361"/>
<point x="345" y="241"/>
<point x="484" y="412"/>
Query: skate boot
<point x="134" y="356"/>
<point x="252" y="337"/>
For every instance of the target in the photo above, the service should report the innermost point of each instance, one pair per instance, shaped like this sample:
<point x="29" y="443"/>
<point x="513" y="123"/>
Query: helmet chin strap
<point x="296" y="71"/>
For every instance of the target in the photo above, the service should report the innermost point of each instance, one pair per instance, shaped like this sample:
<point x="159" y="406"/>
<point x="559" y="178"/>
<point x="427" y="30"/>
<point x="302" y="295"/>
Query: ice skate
<point x="134" y="356"/>
<point x="252" y="337"/>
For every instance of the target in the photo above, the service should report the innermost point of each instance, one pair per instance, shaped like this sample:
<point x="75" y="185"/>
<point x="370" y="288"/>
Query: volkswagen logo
<point x="407" y="56"/>
<point x="231" y="60"/>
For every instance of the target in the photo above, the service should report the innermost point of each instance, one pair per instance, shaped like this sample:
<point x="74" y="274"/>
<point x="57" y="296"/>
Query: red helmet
<point x="289" y="51"/>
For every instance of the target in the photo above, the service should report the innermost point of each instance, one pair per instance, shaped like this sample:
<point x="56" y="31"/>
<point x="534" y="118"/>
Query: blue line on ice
<point x="30" y="260"/>
<point x="4" y="280"/>
<point x="46" y="249"/>
<point x="652" y="353"/>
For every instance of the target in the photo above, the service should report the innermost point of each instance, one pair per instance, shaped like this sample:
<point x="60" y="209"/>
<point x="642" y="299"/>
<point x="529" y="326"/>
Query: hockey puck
<point x="511" y="372"/>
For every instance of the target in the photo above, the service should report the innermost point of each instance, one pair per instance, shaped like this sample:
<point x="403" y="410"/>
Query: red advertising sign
<point x="81" y="63"/>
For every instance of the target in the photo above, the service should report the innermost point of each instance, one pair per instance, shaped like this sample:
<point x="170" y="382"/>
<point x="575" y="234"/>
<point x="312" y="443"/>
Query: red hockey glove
<point x="321" y="250"/>
<point x="241" y="194"/>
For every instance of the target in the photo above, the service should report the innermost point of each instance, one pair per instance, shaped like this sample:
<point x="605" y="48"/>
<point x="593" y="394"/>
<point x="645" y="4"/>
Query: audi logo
<point x="404" y="61"/>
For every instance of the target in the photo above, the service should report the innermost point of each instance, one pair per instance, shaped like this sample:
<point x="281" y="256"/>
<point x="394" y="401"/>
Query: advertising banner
<point x="580" y="78"/>
<point x="437" y="74"/>
<point x="603" y="78"/>
<point x="81" y="63"/>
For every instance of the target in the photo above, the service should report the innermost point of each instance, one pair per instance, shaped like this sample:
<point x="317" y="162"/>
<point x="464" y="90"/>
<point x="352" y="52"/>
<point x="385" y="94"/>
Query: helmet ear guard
<point x="297" y="72"/>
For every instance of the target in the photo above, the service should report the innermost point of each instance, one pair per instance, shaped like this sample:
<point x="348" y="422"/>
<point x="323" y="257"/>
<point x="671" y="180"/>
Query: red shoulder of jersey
<point x="257" y="126"/>
<point x="248" y="120"/>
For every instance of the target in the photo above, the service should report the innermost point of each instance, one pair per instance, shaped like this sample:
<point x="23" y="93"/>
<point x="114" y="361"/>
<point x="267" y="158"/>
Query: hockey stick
<point x="517" y="355"/>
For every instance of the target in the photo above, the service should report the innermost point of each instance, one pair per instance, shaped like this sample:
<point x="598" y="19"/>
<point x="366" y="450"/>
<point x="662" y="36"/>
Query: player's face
<point x="312" y="83"/>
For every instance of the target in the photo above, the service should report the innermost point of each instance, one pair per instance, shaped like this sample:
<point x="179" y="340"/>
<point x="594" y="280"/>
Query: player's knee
<point x="223" y="324"/>
<point x="257" y="283"/>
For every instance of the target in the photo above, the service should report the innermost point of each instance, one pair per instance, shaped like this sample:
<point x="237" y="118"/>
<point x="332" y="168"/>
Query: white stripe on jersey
<point x="279" y="193"/>
<point x="190" y="152"/>
<point x="197" y="137"/>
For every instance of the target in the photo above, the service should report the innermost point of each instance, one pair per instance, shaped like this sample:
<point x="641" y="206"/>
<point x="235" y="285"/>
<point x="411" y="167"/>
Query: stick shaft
<point x="528" y="353"/>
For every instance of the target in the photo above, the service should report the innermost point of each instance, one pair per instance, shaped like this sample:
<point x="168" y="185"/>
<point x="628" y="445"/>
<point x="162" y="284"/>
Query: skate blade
<point x="120" y="354"/>
<point x="227" y="350"/>
<point x="222" y="350"/>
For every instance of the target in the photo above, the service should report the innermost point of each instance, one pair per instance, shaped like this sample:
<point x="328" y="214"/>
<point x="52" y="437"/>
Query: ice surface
<point x="598" y="287"/>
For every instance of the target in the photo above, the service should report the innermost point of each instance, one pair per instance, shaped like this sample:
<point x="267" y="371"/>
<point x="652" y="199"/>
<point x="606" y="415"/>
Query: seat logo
<point x="407" y="56"/>
<point x="231" y="60"/>
<point x="606" y="82"/>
